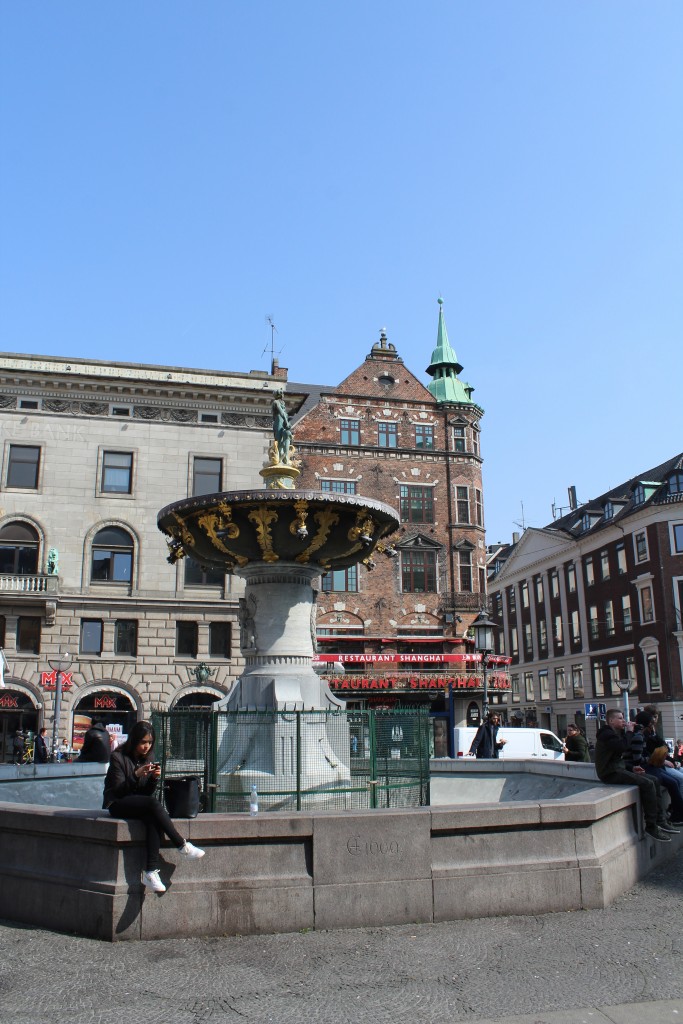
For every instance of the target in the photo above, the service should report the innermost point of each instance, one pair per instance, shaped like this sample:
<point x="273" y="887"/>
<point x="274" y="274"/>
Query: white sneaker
<point x="151" y="880"/>
<point x="191" y="852"/>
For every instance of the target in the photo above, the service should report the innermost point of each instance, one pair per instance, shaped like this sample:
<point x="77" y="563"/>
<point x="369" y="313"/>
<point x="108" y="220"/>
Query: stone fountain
<point x="279" y="539"/>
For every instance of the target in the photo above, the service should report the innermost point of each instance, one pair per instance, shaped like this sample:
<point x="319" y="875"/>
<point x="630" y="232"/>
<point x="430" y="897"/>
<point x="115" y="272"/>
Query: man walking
<point x="486" y="742"/>
<point x="612" y="741"/>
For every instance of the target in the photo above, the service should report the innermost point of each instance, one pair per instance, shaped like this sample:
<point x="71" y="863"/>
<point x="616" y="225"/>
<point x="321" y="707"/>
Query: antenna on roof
<point x="522" y="522"/>
<point x="273" y="332"/>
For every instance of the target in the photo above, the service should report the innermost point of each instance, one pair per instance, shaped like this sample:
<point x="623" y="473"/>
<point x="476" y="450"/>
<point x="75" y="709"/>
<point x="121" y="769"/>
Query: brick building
<point x="90" y="452"/>
<point x="398" y="631"/>
<point x="597" y="597"/>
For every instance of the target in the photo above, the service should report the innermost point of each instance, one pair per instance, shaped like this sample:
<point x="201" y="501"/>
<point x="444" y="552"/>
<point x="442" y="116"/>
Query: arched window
<point x="112" y="556"/>
<point x="19" y="545"/>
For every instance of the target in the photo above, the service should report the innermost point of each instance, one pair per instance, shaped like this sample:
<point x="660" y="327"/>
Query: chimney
<point x="515" y="538"/>
<point x="571" y="491"/>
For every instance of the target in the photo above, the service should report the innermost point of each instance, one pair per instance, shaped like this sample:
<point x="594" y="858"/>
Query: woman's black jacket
<point x="121" y="780"/>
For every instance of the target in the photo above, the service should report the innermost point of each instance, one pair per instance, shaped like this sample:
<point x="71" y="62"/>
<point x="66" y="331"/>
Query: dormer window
<point x="609" y="510"/>
<point x="675" y="483"/>
<point x="638" y="494"/>
<point x="585" y="522"/>
<point x="643" y="490"/>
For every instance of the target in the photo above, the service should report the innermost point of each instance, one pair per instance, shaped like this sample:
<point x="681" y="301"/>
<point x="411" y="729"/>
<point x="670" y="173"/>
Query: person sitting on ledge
<point x="611" y="744"/>
<point x="129" y="794"/>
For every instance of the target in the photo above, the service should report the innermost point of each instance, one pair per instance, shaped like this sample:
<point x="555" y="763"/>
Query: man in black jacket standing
<point x="96" y="745"/>
<point x="486" y="742"/>
<point x="611" y="743"/>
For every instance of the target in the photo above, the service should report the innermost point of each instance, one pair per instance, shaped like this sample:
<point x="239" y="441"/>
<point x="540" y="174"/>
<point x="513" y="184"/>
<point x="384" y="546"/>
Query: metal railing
<point x="299" y="760"/>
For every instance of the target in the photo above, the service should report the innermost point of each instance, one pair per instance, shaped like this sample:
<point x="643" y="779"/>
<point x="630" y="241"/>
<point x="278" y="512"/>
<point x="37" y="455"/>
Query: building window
<point x="418" y="571"/>
<point x="349" y="431"/>
<point x="539" y="590"/>
<point x="542" y="635"/>
<point x="126" y="637"/>
<point x="609" y="619"/>
<point x="387" y="435"/>
<point x="677" y="531"/>
<point x="543" y="684"/>
<point x="638" y="494"/>
<point x="560" y="684"/>
<point x="462" y="496"/>
<point x="647" y="611"/>
<point x="529" y="686"/>
<point x="220" y="635"/>
<point x="608" y="510"/>
<point x="593" y="624"/>
<point x="640" y="540"/>
<point x="559" y="637"/>
<point x="340" y="580"/>
<point x="654" y="683"/>
<point x="112" y="556"/>
<point x="576" y="628"/>
<point x="525" y="595"/>
<point x="577" y="681"/>
<point x="91" y="636"/>
<point x="512" y="601"/>
<point x="417" y="504"/>
<point x="514" y="644"/>
<point x="514" y="687"/>
<point x="117" y="472"/>
<point x="482" y="580"/>
<point x="631" y="670"/>
<point x="465" y="566"/>
<point x="604" y="564"/>
<point x="475" y="440"/>
<point x="626" y="613"/>
<point x="207" y="475"/>
<point x="186" y="639"/>
<point x="424" y="436"/>
<point x="23" y="466"/>
<point x="197" y="575"/>
<point x="459" y="439"/>
<point x="338" y="486"/>
<point x="528" y="640"/>
<point x="28" y="634"/>
<point x="613" y="670"/>
<point x="479" y="507"/>
<point x="571" y="579"/>
<point x="590" y="575"/>
<point x="621" y="559"/>
<point x="19" y="544"/>
<point x="554" y="584"/>
<point x="598" y="680"/>
<point x="675" y="483"/>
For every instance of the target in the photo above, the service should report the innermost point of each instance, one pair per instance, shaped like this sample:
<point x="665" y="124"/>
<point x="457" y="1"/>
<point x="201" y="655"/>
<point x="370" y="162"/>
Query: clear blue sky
<point x="171" y="173"/>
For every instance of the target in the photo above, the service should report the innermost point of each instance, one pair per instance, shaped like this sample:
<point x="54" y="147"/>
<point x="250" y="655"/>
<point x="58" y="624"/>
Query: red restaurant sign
<point x="48" y="680"/>
<point x="495" y="682"/>
<point x="414" y="659"/>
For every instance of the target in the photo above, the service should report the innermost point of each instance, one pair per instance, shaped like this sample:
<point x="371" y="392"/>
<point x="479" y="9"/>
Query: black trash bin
<point x="181" y="797"/>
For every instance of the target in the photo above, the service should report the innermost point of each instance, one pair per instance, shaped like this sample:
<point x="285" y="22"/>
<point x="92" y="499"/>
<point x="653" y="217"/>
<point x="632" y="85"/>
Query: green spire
<point x="444" y="368"/>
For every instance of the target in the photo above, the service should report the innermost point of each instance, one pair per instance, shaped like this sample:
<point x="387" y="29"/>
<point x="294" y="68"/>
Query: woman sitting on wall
<point x="129" y="793"/>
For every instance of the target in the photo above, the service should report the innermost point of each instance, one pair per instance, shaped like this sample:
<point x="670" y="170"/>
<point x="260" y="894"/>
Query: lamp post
<point x="483" y="641"/>
<point x="60" y="664"/>
<point x="625" y="685"/>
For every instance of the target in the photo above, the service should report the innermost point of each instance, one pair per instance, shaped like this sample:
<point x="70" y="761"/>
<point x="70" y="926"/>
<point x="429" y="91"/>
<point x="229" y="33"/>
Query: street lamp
<point x="60" y="664"/>
<point x="625" y="685"/>
<point x="483" y="641"/>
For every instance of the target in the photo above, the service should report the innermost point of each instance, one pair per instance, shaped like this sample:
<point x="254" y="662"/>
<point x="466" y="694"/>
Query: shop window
<point x="91" y="636"/>
<point x="424" y="436"/>
<point x="387" y="435"/>
<point x="349" y="431"/>
<point x="28" y="634"/>
<point x="126" y="637"/>
<point x="417" y="504"/>
<point x="207" y="475"/>
<point x="418" y="571"/>
<point x="341" y="580"/>
<point x="197" y="575"/>
<point x="112" y="556"/>
<point x="117" y="472"/>
<point x="19" y="544"/>
<point x="219" y="640"/>
<point x="23" y="466"/>
<point x="186" y="639"/>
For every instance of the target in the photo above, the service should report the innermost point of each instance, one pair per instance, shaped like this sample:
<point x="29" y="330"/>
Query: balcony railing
<point x="34" y="584"/>
<point x="463" y="601"/>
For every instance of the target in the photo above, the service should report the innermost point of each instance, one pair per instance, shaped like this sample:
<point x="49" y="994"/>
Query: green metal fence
<point x="299" y="760"/>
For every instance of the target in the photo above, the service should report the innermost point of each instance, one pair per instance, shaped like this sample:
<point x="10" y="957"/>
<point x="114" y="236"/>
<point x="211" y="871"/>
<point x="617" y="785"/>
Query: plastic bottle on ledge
<point x="253" y="802"/>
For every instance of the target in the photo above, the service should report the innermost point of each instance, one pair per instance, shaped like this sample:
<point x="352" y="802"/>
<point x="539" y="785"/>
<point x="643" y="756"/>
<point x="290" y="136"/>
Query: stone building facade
<point x="396" y="631"/>
<point x="90" y="452"/>
<point x="596" y="598"/>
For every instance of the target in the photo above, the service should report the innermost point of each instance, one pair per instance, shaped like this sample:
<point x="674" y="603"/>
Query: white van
<point x="519" y="743"/>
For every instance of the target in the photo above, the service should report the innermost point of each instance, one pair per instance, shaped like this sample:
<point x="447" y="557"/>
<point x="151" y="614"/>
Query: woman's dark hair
<point x="137" y="735"/>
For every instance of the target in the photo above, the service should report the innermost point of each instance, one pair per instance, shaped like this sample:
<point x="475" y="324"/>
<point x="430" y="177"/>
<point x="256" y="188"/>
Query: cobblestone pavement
<point x="438" y="974"/>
